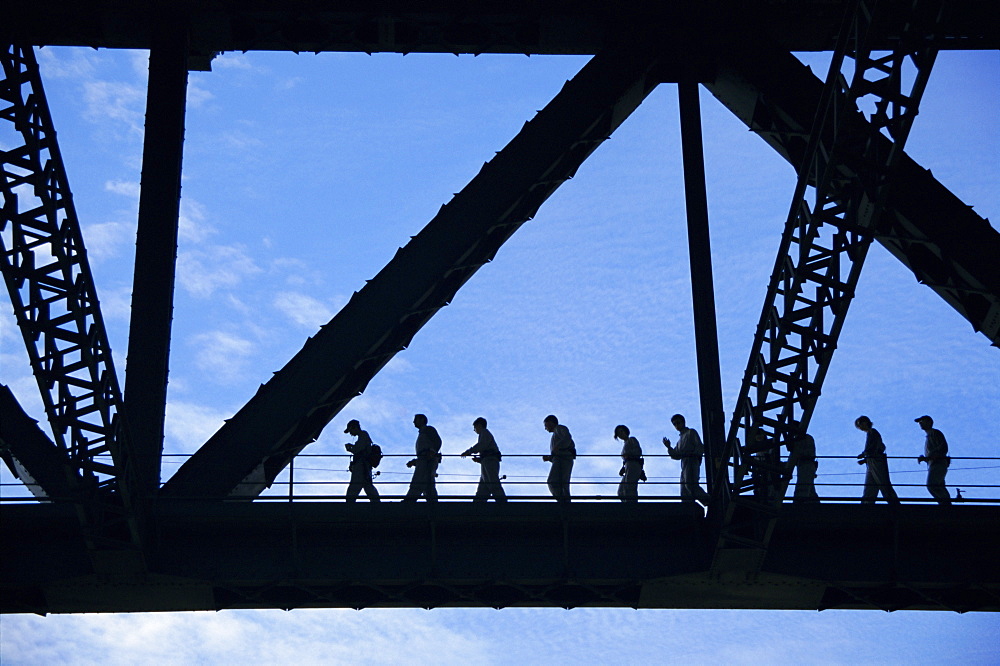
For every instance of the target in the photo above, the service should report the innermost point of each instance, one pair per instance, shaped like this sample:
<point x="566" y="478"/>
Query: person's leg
<point x="936" y="471"/>
<point x="565" y="472"/>
<point x="689" y="480"/>
<point x="430" y="486"/>
<point x="553" y="479"/>
<point x="880" y="471"/>
<point x="871" y="486"/>
<point x="415" y="489"/>
<point x="354" y="487"/>
<point x="483" y="489"/>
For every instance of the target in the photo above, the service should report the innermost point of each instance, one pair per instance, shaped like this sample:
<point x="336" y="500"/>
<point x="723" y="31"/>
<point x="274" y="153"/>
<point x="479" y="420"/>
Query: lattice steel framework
<point x="55" y="302"/>
<point x="839" y="196"/>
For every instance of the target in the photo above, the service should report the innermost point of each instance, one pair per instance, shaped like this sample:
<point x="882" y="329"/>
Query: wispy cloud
<point x="189" y="425"/>
<point x="204" y="271"/>
<point x="116" y="101"/>
<point x="305" y="311"/>
<point x="221" y="356"/>
<point x="128" y="188"/>
<point x="106" y="241"/>
<point x="191" y="224"/>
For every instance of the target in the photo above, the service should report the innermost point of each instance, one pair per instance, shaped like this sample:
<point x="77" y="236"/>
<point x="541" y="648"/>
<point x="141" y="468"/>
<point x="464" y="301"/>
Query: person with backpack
<point x="689" y="451"/>
<point x="364" y="456"/>
<point x="487" y="454"/>
<point x="425" y="464"/>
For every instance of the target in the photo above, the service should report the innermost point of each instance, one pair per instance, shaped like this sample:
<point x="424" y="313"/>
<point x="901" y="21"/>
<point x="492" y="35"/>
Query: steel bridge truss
<point x="55" y="303"/>
<point x="839" y="197"/>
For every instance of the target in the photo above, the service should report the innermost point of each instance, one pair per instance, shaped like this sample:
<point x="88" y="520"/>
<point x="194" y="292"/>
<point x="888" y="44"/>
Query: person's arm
<point x="478" y="447"/>
<point x="672" y="452"/>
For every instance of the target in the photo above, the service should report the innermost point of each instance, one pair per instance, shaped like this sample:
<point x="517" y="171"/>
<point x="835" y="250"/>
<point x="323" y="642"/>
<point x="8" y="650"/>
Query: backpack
<point x="374" y="455"/>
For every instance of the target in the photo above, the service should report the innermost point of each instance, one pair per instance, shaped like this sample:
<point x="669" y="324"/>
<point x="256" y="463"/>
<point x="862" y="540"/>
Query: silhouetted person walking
<point x="631" y="471"/>
<point x="361" y="466"/>
<point x="562" y="452"/>
<point x="766" y="468"/>
<point x="802" y="459"/>
<point x="877" y="479"/>
<point x="425" y="465"/>
<point x="936" y="457"/>
<point x="689" y="451"/>
<point x="488" y="456"/>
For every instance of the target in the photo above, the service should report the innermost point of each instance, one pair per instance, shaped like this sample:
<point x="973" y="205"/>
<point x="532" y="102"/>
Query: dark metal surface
<point x="29" y="453"/>
<point x="702" y="289"/>
<point x="156" y="250"/>
<point x="80" y="555"/>
<point x="935" y="234"/>
<point x="55" y="303"/>
<point x="212" y="556"/>
<point x="838" y="201"/>
<point x="443" y="26"/>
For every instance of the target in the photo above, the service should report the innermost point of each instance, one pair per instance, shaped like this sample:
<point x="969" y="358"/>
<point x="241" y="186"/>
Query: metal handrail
<point x="393" y="477"/>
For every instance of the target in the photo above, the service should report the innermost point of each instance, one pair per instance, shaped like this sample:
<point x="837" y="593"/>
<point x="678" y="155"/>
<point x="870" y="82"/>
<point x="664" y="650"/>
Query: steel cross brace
<point x="819" y="261"/>
<point x="55" y="303"/>
<point x="290" y="410"/>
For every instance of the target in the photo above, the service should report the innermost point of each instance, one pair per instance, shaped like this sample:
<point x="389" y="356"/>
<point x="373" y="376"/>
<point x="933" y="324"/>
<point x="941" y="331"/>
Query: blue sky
<point x="303" y="174"/>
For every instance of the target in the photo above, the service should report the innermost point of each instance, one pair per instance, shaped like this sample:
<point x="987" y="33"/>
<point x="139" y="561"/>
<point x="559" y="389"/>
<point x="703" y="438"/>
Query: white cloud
<point x="241" y="140"/>
<point x="115" y="101"/>
<point x="289" y="83"/>
<point x="106" y="240"/>
<point x="129" y="188"/>
<point x="116" y="304"/>
<point x="66" y="63"/>
<point x="190" y="425"/>
<point x="202" y="271"/>
<point x="232" y="61"/>
<point x="305" y="311"/>
<point x="196" y="95"/>
<point x="191" y="222"/>
<point x="221" y="356"/>
<point x="139" y="62"/>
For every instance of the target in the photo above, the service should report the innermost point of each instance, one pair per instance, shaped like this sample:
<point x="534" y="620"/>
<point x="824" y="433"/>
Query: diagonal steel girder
<point x="937" y="236"/>
<point x="29" y="453"/>
<point x="45" y="268"/>
<point x="290" y="410"/>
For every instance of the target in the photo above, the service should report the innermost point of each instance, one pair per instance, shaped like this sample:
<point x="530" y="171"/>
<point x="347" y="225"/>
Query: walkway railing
<point x="324" y="477"/>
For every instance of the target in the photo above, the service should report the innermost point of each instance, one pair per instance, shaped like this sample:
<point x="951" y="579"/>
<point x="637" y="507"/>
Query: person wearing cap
<point x="877" y="478"/>
<point x="487" y="454"/>
<point x="425" y="465"/>
<point x="562" y="452"/>
<point x="936" y="457"/>
<point x="361" y="466"/>
<point x="689" y="451"/>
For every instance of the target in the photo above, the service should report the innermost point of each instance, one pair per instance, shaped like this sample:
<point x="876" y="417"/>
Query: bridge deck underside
<point x="282" y="555"/>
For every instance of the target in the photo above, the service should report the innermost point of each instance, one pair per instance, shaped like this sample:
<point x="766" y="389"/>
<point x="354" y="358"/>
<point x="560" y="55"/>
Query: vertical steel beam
<point x="702" y="288"/>
<point x="156" y="246"/>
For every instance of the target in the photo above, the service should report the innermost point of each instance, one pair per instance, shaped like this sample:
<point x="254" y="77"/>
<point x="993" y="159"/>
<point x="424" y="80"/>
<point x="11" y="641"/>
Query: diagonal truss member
<point x="55" y="303"/>
<point x="840" y="194"/>
<point x="290" y="410"/>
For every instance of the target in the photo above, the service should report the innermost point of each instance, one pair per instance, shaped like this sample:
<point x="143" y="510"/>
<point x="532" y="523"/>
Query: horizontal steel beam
<point x="441" y="26"/>
<point x="307" y="555"/>
<point x="290" y="410"/>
